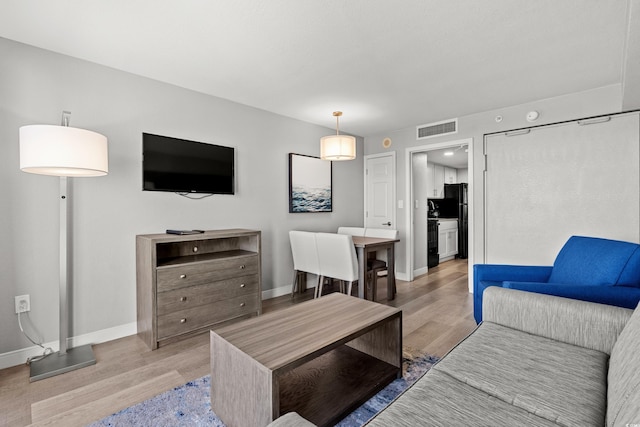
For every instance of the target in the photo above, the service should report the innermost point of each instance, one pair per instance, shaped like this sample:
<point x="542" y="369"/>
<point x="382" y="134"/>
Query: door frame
<point x="409" y="152"/>
<point x="394" y="183"/>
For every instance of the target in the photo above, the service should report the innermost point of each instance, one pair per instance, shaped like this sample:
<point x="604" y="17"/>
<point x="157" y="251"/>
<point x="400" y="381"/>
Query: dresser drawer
<point x="192" y="296"/>
<point x="199" y="273"/>
<point x="190" y="319"/>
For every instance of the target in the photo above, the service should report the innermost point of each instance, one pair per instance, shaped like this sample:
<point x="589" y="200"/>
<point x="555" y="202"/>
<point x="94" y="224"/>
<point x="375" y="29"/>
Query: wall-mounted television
<point x="183" y="166"/>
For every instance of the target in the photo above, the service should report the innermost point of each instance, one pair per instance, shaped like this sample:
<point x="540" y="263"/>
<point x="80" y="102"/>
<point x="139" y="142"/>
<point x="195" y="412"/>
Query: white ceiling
<point x="386" y="64"/>
<point x="454" y="157"/>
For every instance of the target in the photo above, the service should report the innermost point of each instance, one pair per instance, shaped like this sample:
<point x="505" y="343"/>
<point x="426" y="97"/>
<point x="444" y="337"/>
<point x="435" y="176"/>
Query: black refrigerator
<point x="457" y="194"/>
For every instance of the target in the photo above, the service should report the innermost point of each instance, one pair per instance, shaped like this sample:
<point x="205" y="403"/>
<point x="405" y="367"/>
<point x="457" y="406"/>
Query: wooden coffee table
<point x="321" y="358"/>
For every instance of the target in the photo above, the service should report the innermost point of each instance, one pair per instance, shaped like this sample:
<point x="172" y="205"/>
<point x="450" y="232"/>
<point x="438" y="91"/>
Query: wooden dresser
<point x="188" y="283"/>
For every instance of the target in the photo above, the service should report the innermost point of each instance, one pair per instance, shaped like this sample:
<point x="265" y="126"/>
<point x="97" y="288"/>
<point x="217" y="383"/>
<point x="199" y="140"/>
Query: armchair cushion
<point x="593" y="261"/>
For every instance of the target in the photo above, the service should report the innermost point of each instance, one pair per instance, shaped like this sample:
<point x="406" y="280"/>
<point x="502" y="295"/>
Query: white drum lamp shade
<point x="63" y="151"/>
<point x="338" y="147"/>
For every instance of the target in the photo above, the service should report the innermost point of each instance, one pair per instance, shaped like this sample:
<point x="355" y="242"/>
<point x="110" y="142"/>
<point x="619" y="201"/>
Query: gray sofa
<point x="535" y="360"/>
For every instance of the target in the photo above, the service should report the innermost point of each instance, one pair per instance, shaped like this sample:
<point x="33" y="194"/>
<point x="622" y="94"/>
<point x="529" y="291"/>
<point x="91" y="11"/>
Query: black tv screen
<point x="182" y="166"/>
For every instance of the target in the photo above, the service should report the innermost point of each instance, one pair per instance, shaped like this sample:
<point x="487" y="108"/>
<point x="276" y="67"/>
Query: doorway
<point x="418" y="191"/>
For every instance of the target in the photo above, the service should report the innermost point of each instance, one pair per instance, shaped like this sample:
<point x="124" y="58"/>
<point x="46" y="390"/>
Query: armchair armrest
<point x="485" y="275"/>
<point x="621" y="296"/>
<point x="517" y="273"/>
<point x="581" y="323"/>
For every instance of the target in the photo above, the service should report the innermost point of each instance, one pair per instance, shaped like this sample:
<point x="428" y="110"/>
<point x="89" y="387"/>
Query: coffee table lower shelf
<point x="328" y="388"/>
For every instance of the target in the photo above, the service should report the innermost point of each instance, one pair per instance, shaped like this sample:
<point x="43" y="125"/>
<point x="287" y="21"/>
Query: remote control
<point x="181" y="232"/>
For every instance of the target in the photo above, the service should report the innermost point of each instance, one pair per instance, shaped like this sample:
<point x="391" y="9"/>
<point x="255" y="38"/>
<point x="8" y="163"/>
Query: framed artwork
<point x="309" y="184"/>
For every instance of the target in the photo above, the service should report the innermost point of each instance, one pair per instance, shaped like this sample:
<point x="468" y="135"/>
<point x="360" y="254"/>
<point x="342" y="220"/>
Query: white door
<point x="380" y="186"/>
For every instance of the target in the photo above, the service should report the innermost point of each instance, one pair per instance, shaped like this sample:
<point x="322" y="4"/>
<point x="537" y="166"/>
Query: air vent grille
<point x="437" y="129"/>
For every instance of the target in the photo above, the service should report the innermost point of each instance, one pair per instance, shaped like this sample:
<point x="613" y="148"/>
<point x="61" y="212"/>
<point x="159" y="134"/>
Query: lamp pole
<point x="64" y="264"/>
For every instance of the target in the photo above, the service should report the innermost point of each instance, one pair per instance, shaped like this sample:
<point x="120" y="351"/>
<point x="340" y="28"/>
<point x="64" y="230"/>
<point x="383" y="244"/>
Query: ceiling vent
<point x="432" y="130"/>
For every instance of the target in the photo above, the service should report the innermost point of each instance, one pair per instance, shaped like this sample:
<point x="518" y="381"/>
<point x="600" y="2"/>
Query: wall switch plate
<point x="23" y="303"/>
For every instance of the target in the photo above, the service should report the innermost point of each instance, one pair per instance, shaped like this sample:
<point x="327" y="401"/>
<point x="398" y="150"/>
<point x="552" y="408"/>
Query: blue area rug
<point x="190" y="405"/>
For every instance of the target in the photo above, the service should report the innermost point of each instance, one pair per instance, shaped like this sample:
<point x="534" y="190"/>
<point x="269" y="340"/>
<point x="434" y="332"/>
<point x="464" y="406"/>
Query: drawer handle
<point x="242" y="285"/>
<point x="183" y="320"/>
<point x="183" y="276"/>
<point x="242" y="304"/>
<point x="183" y="299"/>
<point x="195" y="249"/>
<point x="242" y="267"/>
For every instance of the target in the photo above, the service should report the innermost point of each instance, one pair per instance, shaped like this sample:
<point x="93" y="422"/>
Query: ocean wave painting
<point x="305" y="199"/>
<point x="309" y="184"/>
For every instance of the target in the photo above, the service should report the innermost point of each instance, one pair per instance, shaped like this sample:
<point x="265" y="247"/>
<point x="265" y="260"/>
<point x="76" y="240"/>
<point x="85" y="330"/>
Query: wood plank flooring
<point x="437" y="314"/>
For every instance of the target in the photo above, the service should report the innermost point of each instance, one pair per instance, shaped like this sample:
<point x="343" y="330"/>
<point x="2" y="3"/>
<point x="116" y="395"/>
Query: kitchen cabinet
<point x="438" y="179"/>
<point x="448" y="239"/>
<point x="437" y="176"/>
<point x="450" y="175"/>
<point x="431" y="184"/>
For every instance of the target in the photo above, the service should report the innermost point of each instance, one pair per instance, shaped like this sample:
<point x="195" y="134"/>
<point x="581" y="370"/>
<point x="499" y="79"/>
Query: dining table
<point x="365" y="246"/>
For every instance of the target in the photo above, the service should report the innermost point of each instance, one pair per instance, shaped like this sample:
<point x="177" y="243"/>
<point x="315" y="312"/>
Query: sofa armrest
<point x="581" y="323"/>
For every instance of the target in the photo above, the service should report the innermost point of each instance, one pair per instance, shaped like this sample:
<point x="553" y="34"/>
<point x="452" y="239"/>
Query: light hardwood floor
<point x="437" y="313"/>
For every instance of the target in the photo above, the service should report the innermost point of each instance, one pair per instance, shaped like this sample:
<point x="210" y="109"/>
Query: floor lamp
<point x="65" y="152"/>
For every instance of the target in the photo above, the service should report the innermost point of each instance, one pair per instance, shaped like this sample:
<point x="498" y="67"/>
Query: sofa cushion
<point x="623" y="407"/>
<point x="591" y="261"/>
<point x="630" y="275"/>
<point x="440" y="400"/>
<point x="560" y="382"/>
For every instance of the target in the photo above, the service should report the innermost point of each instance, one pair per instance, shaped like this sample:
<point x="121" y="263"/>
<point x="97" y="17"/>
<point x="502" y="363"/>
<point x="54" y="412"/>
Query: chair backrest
<point x="337" y="256"/>
<point x="352" y="231"/>
<point x="596" y="261"/>
<point x="387" y="233"/>
<point x="304" y="251"/>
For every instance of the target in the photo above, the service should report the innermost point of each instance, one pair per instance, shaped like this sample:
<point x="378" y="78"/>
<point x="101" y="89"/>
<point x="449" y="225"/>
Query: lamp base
<point x="56" y="363"/>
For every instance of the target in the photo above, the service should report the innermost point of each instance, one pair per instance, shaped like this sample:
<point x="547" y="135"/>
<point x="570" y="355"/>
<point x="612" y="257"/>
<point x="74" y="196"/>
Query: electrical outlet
<point x="23" y="304"/>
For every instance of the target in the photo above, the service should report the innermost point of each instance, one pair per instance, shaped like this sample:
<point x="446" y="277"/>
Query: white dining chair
<point x="377" y="267"/>
<point x="305" y="257"/>
<point x="338" y="259"/>
<point x="352" y="231"/>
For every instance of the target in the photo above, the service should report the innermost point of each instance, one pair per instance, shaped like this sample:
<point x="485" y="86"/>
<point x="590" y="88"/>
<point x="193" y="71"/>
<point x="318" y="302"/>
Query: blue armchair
<point x="587" y="268"/>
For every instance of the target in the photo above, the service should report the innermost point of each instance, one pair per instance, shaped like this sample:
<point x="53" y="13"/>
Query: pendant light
<point x="338" y="147"/>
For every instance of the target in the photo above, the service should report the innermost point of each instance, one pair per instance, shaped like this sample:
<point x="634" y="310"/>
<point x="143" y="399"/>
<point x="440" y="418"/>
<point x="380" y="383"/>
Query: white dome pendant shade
<point x="63" y="151"/>
<point x="338" y="147"/>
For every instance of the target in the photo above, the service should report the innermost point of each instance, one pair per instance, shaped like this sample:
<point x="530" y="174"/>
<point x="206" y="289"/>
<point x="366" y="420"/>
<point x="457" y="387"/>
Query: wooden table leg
<point x="391" y="275"/>
<point x="362" y="272"/>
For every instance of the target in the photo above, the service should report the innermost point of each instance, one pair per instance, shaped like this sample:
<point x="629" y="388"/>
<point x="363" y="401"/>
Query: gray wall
<point x="36" y="86"/>
<point x="589" y="103"/>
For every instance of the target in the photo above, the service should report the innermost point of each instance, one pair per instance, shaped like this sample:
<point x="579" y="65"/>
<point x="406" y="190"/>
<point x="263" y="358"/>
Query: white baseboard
<point x="276" y="292"/>
<point x="402" y="276"/>
<point x="18" y="357"/>
<point x="420" y="271"/>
